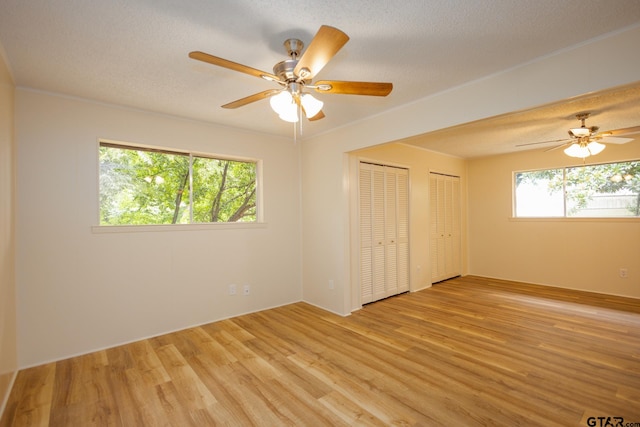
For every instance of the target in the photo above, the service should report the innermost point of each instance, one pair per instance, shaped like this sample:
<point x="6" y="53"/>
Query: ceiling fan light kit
<point x="287" y="103"/>
<point x="311" y="105"/>
<point x="584" y="149"/>
<point x="284" y="105"/>
<point x="296" y="74"/>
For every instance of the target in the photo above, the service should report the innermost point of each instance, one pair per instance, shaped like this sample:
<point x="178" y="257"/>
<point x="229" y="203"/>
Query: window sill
<point x="109" y="229"/>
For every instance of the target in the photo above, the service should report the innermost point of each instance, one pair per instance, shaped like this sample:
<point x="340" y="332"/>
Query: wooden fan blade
<point x="325" y="44"/>
<point x="318" y="116"/>
<point x="252" y="98"/>
<point x="625" y="131"/>
<point x="353" y="88"/>
<point x="225" y="63"/>
<point x="544" y="142"/>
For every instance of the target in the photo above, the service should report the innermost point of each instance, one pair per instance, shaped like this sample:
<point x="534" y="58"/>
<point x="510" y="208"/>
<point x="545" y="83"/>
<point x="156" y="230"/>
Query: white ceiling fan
<point x="586" y="141"/>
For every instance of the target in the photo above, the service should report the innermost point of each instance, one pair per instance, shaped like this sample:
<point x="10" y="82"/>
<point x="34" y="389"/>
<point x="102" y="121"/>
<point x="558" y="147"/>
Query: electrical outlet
<point x="232" y="289"/>
<point x="624" y="273"/>
<point x="331" y="284"/>
<point x="246" y="290"/>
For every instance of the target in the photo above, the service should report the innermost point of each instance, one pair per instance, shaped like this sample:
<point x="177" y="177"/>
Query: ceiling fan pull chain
<point x="300" y="115"/>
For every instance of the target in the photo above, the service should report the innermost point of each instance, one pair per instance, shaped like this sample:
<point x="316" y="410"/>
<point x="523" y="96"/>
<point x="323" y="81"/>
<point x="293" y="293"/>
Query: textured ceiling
<point x="618" y="108"/>
<point x="134" y="52"/>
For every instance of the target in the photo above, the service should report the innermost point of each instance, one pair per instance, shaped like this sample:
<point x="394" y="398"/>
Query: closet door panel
<point x="456" y="230"/>
<point x="391" y="270"/>
<point x="366" y="275"/>
<point x="379" y="279"/>
<point x="365" y="177"/>
<point x="378" y="226"/>
<point x="433" y="226"/>
<point x="445" y="226"/>
<point x="403" y="267"/>
<point x="402" y="198"/>
<point x="384" y="231"/>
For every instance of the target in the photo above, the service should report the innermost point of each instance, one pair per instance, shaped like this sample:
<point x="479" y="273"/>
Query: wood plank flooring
<point x="469" y="351"/>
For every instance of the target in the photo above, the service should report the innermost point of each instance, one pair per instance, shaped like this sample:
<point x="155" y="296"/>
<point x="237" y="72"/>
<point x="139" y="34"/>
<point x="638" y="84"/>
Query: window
<point x="602" y="191"/>
<point x="142" y="186"/>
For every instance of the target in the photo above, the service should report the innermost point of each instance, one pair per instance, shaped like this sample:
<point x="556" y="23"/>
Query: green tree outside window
<point x="140" y="186"/>
<point x="604" y="190"/>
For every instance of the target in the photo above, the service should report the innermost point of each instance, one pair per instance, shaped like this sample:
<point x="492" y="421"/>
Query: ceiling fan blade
<point x="625" y="131"/>
<point x="325" y="44"/>
<point x="353" y="88"/>
<point x="225" y="63"/>
<point x="612" y="139"/>
<point x="558" y="146"/>
<point x="252" y="98"/>
<point x="544" y="142"/>
<point x="318" y="116"/>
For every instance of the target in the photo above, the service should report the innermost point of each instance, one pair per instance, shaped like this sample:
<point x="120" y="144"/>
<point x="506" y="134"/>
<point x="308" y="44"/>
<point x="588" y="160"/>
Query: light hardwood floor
<point x="469" y="351"/>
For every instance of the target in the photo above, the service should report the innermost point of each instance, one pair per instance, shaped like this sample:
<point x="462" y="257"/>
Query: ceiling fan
<point x="583" y="141"/>
<point x="295" y="77"/>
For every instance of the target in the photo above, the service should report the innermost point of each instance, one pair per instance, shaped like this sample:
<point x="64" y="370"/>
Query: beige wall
<point x="420" y="163"/>
<point x="575" y="253"/>
<point x="8" y="343"/>
<point x="325" y="165"/>
<point x="79" y="290"/>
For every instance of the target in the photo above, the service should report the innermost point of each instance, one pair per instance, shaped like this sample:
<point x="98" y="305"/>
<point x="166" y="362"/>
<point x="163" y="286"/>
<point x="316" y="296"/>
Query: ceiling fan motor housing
<point x="284" y="70"/>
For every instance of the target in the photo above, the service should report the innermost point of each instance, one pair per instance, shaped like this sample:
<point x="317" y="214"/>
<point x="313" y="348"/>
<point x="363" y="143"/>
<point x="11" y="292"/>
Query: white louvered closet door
<point x="445" y="229"/>
<point x="402" y="206"/>
<point x="384" y="231"/>
<point x="365" y="177"/>
<point x="391" y="234"/>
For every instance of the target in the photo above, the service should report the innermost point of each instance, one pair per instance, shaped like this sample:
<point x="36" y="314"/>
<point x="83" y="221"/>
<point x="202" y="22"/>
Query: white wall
<point x="79" y="291"/>
<point x="325" y="205"/>
<point x="8" y="339"/>
<point x="580" y="253"/>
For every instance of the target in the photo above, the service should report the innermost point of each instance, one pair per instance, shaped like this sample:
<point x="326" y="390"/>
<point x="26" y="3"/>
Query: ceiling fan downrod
<point x="293" y="47"/>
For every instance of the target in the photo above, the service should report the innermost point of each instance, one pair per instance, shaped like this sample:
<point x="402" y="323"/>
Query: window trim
<point x="108" y="229"/>
<point x="98" y="228"/>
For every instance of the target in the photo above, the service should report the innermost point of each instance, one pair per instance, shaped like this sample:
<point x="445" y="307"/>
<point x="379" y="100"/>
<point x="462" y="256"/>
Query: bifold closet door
<point x="445" y="226"/>
<point x="384" y="231"/>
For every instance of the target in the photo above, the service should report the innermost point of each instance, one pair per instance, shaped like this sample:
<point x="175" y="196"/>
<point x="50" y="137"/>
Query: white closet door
<point x="379" y="288"/>
<point x="434" y="234"/>
<point x="384" y="231"/>
<point x="445" y="230"/>
<point x="391" y="233"/>
<point x="438" y="220"/>
<point x="366" y="235"/>
<point x="402" y="191"/>
<point x="456" y="229"/>
<point x="448" y="225"/>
